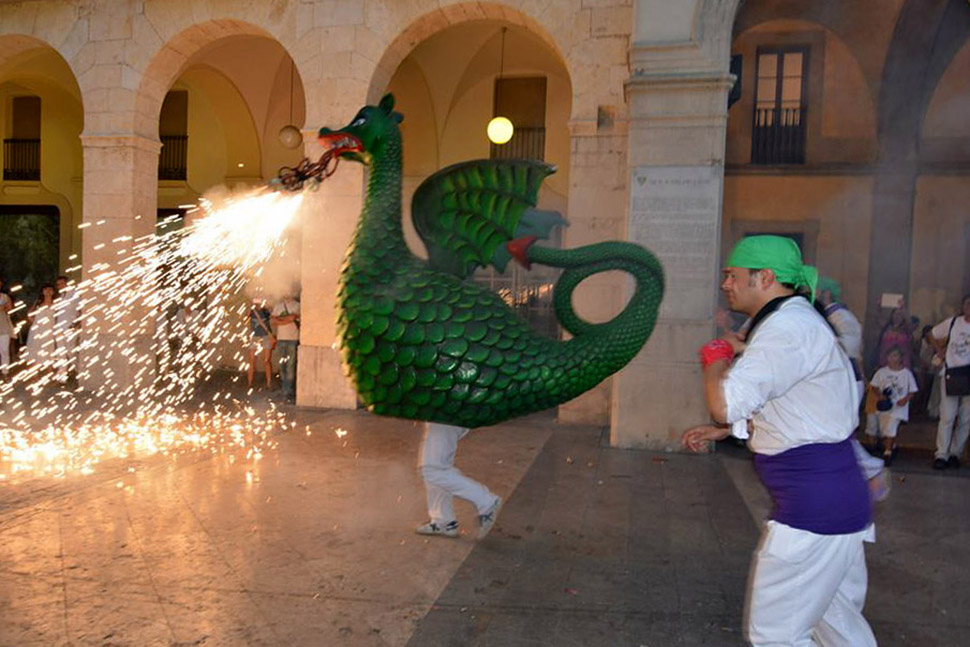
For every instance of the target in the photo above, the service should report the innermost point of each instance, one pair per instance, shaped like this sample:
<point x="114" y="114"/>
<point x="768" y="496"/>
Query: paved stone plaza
<point x="313" y="546"/>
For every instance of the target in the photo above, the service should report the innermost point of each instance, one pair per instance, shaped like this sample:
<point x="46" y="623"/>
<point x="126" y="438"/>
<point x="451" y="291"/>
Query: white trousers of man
<point x="442" y="480"/>
<point x="808" y="590"/>
<point x="949" y="443"/>
<point x="66" y="343"/>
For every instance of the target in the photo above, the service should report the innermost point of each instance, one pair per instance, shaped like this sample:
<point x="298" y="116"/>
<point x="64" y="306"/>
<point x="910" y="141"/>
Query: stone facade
<point x="665" y="108"/>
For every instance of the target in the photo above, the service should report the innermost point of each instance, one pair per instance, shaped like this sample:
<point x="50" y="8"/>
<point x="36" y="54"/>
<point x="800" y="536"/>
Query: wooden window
<point x="173" y="126"/>
<point x="778" y="136"/>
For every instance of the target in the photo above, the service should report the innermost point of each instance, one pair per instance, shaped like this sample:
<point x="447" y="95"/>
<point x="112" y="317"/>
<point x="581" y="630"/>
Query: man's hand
<point x="736" y="341"/>
<point x="697" y="438"/>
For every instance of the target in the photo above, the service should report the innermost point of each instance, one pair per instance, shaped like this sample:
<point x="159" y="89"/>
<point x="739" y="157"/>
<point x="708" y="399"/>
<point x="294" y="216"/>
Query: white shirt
<point x="901" y="383"/>
<point x="793" y="382"/>
<point x="290" y="331"/>
<point x="848" y="329"/>
<point x="958" y="348"/>
<point x="66" y="308"/>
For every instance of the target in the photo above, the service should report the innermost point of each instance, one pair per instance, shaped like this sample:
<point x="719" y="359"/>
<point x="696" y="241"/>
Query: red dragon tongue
<point x="519" y="247"/>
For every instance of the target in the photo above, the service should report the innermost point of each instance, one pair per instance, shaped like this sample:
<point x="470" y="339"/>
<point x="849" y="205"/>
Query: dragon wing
<point x="465" y="213"/>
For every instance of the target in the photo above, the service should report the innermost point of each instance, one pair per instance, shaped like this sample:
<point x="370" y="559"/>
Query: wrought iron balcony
<point x="21" y="159"/>
<point x="526" y="143"/>
<point x="173" y="160"/>
<point x="778" y="136"/>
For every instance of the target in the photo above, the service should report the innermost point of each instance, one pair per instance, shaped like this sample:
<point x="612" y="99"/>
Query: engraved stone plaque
<point x="675" y="211"/>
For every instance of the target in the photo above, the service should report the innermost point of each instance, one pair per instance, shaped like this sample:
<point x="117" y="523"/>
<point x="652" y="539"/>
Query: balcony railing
<point x="173" y="160"/>
<point x="778" y="136"/>
<point x="21" y="159"/>
<point x="526" y="143"/>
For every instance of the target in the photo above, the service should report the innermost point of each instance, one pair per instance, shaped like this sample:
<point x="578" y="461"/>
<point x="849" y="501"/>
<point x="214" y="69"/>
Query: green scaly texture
<point x="423" y="344"/>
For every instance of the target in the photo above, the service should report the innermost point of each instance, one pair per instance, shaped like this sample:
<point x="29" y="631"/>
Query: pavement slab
<point x="314" y="545"/>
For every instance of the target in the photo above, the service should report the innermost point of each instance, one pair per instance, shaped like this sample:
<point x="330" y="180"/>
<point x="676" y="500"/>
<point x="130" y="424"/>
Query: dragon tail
<point x="598" y="350"/>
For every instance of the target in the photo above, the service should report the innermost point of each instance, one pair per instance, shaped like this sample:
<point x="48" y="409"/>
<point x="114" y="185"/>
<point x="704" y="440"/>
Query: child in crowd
<point x="893" y="386"/>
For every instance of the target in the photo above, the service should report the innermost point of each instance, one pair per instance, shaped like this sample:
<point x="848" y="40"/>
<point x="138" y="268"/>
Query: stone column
<point x="676" y="168"/>
<point x="119" y="207"/>
<point x="330" y="216"/>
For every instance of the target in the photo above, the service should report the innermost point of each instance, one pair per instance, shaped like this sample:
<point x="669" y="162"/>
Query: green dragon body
<point x="419" y="341"/>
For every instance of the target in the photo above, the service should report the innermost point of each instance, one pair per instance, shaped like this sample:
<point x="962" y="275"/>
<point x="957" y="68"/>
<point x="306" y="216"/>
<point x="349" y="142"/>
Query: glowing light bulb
<point x="500" y="130"/>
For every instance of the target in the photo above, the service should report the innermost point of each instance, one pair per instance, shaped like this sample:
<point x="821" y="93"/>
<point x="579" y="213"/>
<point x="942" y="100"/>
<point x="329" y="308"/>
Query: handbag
<point x="956" y="378"/>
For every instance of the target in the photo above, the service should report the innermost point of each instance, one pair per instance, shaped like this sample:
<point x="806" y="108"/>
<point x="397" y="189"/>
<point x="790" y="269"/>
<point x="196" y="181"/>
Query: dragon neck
<point x="379" y="229"/>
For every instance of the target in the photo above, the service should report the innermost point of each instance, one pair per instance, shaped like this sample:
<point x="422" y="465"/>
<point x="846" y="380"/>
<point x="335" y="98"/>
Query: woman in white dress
<point x="40" y="339"/>
<point x="6" y="331"/>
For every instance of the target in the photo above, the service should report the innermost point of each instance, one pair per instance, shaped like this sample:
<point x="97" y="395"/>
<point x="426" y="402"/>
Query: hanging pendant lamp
<point x="500" y="129"/>
<point x="290" y="135"/>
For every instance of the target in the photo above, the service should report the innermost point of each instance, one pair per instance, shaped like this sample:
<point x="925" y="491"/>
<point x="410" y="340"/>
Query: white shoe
<point x="449" y="529"/>
<point x="487" y="519"/>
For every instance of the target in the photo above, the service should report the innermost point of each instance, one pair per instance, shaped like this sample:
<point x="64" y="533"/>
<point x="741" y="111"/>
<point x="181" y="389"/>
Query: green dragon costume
<point x="418" y="340"/>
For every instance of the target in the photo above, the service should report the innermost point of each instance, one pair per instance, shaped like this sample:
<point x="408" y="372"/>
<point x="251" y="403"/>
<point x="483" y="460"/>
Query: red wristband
<point x="714" y="350"/>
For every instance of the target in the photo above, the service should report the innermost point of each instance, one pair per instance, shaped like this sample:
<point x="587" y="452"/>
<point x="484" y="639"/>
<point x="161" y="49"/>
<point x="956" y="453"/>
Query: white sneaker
<point x="487" y="519"/>
<point x="449" y="529"/>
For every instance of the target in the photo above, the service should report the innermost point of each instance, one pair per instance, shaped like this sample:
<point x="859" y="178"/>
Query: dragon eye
<point x="359" y="121"/>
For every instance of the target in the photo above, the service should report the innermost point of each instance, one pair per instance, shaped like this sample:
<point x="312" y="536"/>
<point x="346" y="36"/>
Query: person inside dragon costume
<point x="421" y="342"/>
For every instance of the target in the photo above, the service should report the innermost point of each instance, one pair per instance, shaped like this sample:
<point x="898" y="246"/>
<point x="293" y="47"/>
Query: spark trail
<point x="154" y="323"/>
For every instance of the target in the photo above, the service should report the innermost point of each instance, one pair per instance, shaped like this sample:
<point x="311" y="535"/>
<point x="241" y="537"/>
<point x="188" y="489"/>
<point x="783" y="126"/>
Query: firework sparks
<point x="150" y="328"/>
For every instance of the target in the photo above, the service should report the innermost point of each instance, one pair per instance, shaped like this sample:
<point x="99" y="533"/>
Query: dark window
<point x="31" y="247"/>
<point x="778" y="135"/>
<point x="523" y="101"/>
<point x="21" y="152"/>
<point x="173" y="131"/>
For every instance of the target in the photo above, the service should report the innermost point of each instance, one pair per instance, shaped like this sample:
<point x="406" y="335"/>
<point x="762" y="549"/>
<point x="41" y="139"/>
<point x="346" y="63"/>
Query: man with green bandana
<point x="792" y="385"/>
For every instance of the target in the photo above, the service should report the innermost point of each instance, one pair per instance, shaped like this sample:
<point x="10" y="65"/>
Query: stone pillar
<point x="330" y="216"/>
<point x="678" y="120"/>
<point x="119" y="207"/>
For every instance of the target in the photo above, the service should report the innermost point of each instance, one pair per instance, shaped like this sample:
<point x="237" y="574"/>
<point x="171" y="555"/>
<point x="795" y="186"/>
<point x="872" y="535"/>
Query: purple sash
<point x="818" y="488"/>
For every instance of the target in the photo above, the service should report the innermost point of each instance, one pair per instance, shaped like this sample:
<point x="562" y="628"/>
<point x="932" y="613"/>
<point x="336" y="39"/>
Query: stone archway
<point x="43" y="164"/>
<point x="426" y="25"/>
<point x="171" y="60"/>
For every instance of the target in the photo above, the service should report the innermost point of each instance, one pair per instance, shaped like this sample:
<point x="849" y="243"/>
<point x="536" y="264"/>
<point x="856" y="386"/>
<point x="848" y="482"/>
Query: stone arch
<point x="841" y="100"/>
<point x="424" y="26"/>
<point x="30" y="65"/>
<point x="946" y="109"/>
<point x="172" y="58"/>
<point x="851" y="22"/>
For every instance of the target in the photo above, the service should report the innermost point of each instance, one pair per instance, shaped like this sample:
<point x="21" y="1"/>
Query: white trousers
<point x="66" y="351"/>
<point x="808" y="590"/>
<point x="949" y="443"/>
<point x="442" y="480"/>
<point x="4" y="354"/>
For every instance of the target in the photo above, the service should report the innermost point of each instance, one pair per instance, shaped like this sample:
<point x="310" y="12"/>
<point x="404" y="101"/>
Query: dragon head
<point x="366" y="134"/>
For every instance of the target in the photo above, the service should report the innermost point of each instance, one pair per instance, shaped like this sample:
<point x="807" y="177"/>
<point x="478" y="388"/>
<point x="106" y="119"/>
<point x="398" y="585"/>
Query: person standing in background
<point x="262" y="341"/>
<point x="67" y="324"/>
<point x="952" y="339"/>
<point x="286" y="318"/>
<point x="6" y="331"/>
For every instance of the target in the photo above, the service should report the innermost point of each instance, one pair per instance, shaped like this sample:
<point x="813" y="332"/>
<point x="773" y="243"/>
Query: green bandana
<point x="830" y="284"/>
<point x="778" y="254"/>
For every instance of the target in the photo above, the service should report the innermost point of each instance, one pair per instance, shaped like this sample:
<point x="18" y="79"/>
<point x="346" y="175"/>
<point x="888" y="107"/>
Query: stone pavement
<point x="313" y="545"/>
